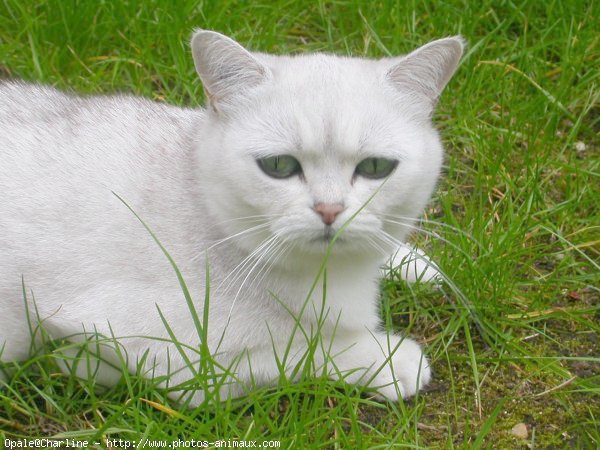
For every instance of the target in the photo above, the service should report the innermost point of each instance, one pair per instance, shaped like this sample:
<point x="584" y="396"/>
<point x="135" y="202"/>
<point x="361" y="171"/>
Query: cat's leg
<point x="84" y="355"/>
<point x="390" y="365"/>
<point x="92" y="357"/>
<point x="413" y="265"/>
<point x="219" y="379"/>
<point x="102" y="360"/>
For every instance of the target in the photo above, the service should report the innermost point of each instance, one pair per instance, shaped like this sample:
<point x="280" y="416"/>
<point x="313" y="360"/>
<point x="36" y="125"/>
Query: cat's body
<point x="193" y="177"/>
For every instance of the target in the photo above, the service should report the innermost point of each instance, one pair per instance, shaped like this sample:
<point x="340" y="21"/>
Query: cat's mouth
<point x="327" y="236"/>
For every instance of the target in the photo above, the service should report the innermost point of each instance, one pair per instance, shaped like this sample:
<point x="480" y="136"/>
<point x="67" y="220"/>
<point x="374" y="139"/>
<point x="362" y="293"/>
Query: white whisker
<point x="236" y="235"/>
<point x="402" y="220"/>
<point x="268" y="251"/>
<point x="283" y="249"/>
<point x="254" y="218"/>
<point x="266" y="223"/>
<point x="240" y="267"/>
<point x="429" y="233"/>
<point x="376" y="246"/>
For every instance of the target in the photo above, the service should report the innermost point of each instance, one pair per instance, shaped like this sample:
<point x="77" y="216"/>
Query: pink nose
<point x="328" y="212"/>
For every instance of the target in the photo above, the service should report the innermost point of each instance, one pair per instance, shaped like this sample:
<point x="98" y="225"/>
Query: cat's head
<point x="304" y="145"/>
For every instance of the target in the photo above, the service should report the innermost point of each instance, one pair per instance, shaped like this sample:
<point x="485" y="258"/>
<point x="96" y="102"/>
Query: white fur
<point x="192" y="177"/>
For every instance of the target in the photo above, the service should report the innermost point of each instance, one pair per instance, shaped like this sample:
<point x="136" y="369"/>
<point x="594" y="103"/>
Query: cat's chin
<point x="340" y="246"/>
<point x="326" y="239"/>
<point x="348" y="243"/>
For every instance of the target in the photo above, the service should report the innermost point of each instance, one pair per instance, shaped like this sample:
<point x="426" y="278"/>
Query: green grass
<point x="514" y="223"/>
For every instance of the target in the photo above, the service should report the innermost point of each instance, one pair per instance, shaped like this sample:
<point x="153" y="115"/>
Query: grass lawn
<point x="514" y="222"/>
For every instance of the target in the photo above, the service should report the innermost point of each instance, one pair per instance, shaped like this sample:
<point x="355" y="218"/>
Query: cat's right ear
<point x="424" y="73"/>
<point x="225" y="67"/>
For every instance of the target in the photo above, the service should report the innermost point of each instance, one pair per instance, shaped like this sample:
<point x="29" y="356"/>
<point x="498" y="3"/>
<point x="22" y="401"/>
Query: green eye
<point x="375" y="168"/>
<point x="282" y="166"/>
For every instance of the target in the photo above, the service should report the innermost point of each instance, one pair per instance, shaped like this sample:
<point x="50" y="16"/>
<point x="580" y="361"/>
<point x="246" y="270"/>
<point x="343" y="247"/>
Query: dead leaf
<point x="520" y="430"/>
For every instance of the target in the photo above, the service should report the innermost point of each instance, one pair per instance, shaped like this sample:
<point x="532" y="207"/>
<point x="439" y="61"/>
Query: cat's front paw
<point x="413" y="265"/>
<point x="390" y="366"/>
<point x="404" y="373"/>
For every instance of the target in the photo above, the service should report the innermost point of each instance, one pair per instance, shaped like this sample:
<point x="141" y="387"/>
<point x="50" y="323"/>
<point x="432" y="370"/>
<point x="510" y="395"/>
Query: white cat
<point x="292" y="153"/>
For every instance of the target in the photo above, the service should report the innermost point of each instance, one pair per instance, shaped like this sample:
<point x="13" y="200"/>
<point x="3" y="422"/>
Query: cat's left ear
<point x="226" y="68"/>
<point x="425" y="72"/>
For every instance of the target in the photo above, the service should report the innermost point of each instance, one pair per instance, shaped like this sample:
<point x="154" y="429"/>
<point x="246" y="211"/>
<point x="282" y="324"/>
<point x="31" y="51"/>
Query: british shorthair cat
<point x="279" y="203"/>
